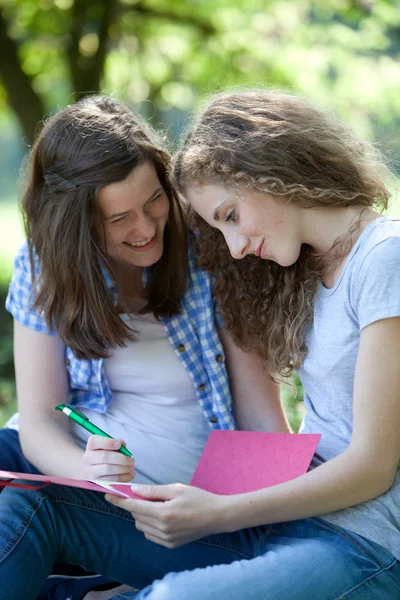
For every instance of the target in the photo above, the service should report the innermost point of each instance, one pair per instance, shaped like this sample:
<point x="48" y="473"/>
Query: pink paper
<point x="234" y="462"/>
<point x="109" y="487"/>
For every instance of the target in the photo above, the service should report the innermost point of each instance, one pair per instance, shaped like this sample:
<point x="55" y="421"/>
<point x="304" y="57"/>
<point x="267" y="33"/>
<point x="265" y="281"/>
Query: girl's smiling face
<point x="134" y="213"/>
<point x="252" y="222"/>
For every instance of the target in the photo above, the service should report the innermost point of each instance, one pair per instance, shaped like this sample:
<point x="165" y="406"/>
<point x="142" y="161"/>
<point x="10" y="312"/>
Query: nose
<point x="143" y="226"/>
<point x="237" y="245"/>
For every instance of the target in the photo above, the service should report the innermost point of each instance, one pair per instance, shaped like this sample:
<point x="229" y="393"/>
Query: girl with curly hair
<point x="307" y="273"/>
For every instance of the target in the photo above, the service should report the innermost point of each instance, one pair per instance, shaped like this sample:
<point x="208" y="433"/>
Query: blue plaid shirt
<point x="192" y="334"/>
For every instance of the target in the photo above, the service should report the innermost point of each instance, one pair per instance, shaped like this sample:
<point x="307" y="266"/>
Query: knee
<point x="170" y="587"/>
<point x="18" y="505"/>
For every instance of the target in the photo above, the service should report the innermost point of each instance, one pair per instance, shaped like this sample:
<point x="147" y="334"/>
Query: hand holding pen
<point x="105" y="457"/>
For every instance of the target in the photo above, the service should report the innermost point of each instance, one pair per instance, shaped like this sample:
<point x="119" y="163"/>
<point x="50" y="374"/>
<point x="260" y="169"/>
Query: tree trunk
<point x="27" y="105"/>
<point x="87" y="71"/>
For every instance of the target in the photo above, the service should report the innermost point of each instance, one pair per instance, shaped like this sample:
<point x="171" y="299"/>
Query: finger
<point x="159" y="492"/>
<point x="139" y="509"/>
<point x="99" y="442"/>
<point x="123" y="478"/>
<point x="119" y="501"/>
<point x="98" y="457"/>
<point x="167" y="543"/>
<point x="110" y="471"/>
<point x="153" y="532"/>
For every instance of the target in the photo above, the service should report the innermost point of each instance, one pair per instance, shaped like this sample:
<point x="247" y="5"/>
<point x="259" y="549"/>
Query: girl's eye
<point x="231" y="216"/>
<point x="118" y="219"/>
<point x="154" y="200"/>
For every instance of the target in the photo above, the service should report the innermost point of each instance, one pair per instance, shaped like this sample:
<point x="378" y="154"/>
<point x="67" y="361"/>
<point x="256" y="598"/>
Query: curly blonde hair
<point x="279" y="144"/>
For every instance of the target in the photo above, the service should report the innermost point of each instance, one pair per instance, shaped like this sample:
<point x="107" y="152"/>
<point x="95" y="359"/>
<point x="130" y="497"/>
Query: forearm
<point x="256" y="396"/>
<point x="339" y="483"/>
<point x="49" y="446"/>
<point x="264" y="413"/>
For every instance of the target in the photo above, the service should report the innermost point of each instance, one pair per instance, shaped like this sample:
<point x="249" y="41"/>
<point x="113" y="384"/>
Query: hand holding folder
<point x="232" y="462"/>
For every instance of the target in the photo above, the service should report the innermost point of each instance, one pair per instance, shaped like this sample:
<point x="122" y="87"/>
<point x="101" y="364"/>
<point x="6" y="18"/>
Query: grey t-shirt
<point x="367" y="290"/>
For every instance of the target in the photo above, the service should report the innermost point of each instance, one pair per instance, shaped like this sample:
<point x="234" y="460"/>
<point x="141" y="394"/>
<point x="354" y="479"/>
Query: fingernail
<point x="117" y="445"/>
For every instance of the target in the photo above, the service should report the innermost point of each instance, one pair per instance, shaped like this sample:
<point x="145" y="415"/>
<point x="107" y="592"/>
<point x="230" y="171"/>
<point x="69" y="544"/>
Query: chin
<point x="148" y="259"/>
<point x="283" y="261"/>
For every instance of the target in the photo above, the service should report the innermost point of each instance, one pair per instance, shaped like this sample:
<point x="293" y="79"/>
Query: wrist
<point x="233" y="512"/>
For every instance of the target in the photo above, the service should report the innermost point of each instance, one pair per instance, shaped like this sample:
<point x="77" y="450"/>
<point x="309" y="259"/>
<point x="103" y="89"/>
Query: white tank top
<point x="154" y="407"/>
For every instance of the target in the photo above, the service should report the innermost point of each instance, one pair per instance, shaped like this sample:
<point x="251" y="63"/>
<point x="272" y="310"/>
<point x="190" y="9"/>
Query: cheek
<point x="159" y="211"/>
<point x="116" y="234"/>
<point x="162" y="211"/>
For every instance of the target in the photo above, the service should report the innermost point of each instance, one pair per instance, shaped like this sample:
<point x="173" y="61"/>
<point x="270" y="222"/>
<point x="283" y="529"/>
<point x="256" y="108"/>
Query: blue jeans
<point x="302" y="560"/>
<point x="13" y="459"/>
<point x="11" y="456"/>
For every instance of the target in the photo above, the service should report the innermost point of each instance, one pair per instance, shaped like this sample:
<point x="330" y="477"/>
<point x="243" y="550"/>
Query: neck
<point x="128" y="279"/>
<point x="332" y="233"/>
<point x="323" y="227"/>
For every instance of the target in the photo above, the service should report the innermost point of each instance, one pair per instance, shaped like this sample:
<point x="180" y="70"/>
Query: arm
<point x="42" y="383"/>
<point x="368" y="467"/>
<point x="364" y="471"/>
<point x="256" y="397"/>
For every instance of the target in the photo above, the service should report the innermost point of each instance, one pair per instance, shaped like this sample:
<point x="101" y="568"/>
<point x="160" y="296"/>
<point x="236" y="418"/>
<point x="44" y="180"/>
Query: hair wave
<point x="92" y="143"/>
<point x="278" y="144"/>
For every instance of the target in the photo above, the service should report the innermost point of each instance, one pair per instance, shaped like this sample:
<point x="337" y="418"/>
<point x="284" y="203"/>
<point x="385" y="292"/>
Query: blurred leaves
<point x="344" y="53"/>
<point x="166" y="56"/>
<point x="293" y="401"/>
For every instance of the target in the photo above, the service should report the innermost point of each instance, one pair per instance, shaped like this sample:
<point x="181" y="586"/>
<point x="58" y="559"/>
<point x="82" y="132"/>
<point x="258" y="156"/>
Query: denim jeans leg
<point x="11" y="455"/>
<point x="38" y="528"/>
<point x="303" y="560"/>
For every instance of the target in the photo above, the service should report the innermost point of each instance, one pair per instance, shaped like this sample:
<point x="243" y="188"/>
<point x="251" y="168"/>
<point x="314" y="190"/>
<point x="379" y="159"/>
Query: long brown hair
<point x="92" y="143"/>
<point x="278" y="144"/>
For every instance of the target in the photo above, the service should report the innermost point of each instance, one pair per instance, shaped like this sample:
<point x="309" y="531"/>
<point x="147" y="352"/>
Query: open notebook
<point x="232" y="462"/>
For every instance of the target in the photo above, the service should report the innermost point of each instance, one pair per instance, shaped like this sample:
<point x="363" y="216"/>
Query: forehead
<point x="135" y="189"/>
<point x="209" y="193"/>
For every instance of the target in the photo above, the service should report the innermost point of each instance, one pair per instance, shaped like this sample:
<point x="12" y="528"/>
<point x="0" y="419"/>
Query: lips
<point x="259" y="249"/>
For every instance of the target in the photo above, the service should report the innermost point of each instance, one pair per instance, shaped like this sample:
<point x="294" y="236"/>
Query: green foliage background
<point x="164" y="57"/>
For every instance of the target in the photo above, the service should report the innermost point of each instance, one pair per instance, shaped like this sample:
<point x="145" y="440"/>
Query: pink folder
<point x="234" y="462"/>
<point x="7" y="479"/>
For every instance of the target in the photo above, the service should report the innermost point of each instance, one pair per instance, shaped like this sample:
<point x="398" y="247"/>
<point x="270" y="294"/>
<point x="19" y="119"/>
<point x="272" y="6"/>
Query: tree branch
<point x="204" y="26"/>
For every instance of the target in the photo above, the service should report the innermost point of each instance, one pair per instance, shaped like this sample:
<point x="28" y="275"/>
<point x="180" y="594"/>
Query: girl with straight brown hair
<point x="113" y="315"/>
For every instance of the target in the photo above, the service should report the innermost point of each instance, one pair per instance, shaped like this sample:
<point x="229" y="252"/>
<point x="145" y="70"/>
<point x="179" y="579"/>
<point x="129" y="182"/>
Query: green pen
<point x="82" y="420"/>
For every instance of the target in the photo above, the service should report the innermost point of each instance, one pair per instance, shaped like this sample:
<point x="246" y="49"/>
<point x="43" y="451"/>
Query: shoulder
<point x="375" y="281"/>
<point x="20" y="297"/>
<point x="22" y="256"/>
<point x="22" y="261"/>
<point x="379" y="249"/>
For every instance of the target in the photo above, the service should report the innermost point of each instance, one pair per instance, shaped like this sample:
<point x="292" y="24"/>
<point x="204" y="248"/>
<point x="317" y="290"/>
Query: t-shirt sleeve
<point x="377" y="283"/>
<point x="20" y="298"/>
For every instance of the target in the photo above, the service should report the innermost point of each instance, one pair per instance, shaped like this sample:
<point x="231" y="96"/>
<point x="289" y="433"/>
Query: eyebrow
<point x="154" y="194"/>
<point x="216" y="212"/>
